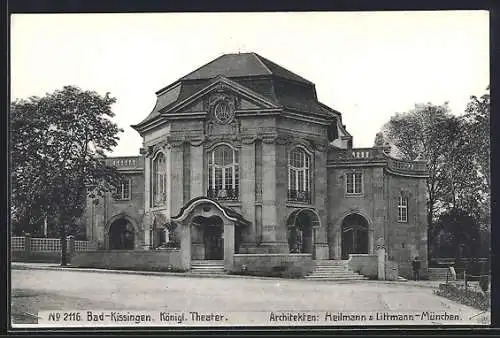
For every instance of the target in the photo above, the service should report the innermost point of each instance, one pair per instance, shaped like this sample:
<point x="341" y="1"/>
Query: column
<point x="247" y="192"/>
<point x="319" y="189"/>
<point x="269" y="215"/>
<point x="175" y="173"/>
<point x="147" y="203"/>
<point x="197" y="171"/>
<point x="186" y="245"/>
<point x="380" y="259"/>
<point x="228" y="245"/>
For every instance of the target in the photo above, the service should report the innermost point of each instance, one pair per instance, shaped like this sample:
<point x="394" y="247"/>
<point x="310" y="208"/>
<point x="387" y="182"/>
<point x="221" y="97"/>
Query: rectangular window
<point x="123" y="191"/>
<point x="354" y="183"/>
<point x="403" y="209"/>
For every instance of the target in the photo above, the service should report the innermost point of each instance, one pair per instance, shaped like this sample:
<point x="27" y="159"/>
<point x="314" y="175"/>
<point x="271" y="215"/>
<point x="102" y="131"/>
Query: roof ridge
<point x="202" y="66"/>
<point x="257" y="56"/>
<point x="283" y="69"/>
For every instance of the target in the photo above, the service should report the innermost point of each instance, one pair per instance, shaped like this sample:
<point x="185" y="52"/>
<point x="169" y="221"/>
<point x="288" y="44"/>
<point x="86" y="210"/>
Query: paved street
<point x="35" y="290"/>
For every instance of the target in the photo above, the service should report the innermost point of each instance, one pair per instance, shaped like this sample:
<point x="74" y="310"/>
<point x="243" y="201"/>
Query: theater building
<point x="240" y="157"/>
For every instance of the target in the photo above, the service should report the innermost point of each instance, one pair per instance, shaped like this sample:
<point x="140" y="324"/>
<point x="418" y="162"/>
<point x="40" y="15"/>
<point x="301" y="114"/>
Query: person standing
<point x="415" y="264"/>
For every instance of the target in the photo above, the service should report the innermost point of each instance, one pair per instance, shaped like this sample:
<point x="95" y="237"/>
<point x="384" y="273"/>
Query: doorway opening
<point x="121" y="235"/>
<point x="211" y="231"/>
<point x="300" y="231"/>
<point x="354" y="235"/>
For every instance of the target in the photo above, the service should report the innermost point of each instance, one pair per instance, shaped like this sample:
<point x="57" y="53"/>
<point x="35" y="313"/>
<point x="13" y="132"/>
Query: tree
<point x="431" y="133"/>
<point x="463" y="232"/>
<point x="425" y="133"/>
<point x="58" y="150"/>
<point x="477" y="118"/>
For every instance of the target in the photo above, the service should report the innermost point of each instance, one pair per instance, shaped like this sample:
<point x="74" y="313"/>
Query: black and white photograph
<point x="249" y="169"/>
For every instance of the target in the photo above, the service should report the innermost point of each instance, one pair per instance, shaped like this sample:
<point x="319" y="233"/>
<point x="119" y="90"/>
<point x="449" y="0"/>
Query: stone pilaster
<point x="269" y="215"/>
<point x="228" y="245"/>
<point x="147" y="203"/>
<point x="176" y="173"/>
<point x="196" y="155"/>
<point x="247" y="191"/>
<point x="186" y="245"/>
<point x="319" y="190"/>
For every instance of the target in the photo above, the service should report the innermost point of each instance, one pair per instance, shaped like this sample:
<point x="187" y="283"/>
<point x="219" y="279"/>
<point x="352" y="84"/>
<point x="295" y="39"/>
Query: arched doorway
<point x="208" y="234"/>
<point x="121" y="235"/>
<point x="301" y="224"/>
<point x="354" y="235"/>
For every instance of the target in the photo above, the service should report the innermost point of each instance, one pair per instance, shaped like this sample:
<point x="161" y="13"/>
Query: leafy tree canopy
<point x="58" y="147"/>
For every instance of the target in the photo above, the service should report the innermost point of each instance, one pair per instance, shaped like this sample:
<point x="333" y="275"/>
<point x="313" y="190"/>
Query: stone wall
<point x="404" y="241"/>
<point x="35" y="257"/>
<point x="158" y="260"/>
<point x="98" y="216"/>
<point x="391" y="270"/>
<point x="365" y="264"/>
<point x="298" y="265"/>
<point x="370" y="204"/>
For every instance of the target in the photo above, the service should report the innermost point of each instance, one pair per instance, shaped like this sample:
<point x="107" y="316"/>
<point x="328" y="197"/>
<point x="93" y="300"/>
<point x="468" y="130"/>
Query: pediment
<point x="237" y="97"/>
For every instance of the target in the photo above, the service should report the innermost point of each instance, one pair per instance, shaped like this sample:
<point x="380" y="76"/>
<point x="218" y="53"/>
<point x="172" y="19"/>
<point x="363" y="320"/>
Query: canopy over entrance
<point x="229" y="213"/>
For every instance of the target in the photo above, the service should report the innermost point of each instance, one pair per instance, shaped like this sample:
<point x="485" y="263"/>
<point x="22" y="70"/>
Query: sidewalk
<point x="57" y="267"/>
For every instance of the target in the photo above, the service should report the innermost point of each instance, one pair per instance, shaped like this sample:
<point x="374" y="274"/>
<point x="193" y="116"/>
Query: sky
<point x="367" y="65"/>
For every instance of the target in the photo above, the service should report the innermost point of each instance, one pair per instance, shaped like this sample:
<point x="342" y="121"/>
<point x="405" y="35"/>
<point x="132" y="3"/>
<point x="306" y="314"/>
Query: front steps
<point x="207" y="267"/>
<point x="333" y="270"/>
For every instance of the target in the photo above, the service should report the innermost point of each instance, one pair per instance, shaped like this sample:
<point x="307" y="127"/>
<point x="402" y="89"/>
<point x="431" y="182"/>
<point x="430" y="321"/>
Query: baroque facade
<point x="239" y="156"/>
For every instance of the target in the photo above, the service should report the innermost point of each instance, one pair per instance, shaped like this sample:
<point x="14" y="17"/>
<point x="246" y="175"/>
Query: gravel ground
<point x="35" y="290"/>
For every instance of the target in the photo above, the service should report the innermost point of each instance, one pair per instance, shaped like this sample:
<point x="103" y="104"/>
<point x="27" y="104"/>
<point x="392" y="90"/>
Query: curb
<point x="184" y="274"/>
<point x="141" y="273"/>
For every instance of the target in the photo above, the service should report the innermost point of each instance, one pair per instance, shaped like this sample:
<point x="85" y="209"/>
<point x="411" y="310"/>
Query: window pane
<point x="357" y="183"/>
<point x="301" y="180"/>
<point x="126" y="189"/>
<point x="306" y="188"/>
<point x="218" y="178"/>
<point x="293" y="177"/>
<point x="210" y="181"/>
<point x="228" y="178"/>
<point x="236" y="177"/>
<point x="349" y="183"/>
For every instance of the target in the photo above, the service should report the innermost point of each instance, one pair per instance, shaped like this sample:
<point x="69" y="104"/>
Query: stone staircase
<point x="333" y="270"/>
<point x="207" y="267"/>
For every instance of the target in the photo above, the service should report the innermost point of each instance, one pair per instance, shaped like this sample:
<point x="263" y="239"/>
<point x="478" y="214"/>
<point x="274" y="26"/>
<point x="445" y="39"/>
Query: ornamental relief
<point x="222" y="106"/>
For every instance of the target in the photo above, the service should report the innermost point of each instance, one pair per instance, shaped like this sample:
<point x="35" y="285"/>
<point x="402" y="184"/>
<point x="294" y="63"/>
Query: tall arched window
<point x="223" y="173"/>
<point x="159" y="179"/>
<point x="299" y="175"/>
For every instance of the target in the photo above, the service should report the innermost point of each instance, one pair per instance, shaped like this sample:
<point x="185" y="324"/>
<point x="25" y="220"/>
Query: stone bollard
<point x="70" y="247"/>
<point x="27" y="246"/>
<point x="381" y="259"/>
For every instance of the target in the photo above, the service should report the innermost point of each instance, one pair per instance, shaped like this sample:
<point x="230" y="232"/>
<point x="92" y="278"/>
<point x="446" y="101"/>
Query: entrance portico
<point x="208" y="231"/>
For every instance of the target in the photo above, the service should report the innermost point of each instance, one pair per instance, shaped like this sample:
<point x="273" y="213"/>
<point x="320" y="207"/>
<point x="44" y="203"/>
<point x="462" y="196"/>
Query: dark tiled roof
<point x="242" y="65"/>
<point x="253" y="71"/>
<point x="280" y="71"/>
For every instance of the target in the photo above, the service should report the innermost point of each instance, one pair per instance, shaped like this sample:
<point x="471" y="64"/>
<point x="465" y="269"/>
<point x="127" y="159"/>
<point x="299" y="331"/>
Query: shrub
<point x="484" y="282"/>
<point x="477" y="299"/>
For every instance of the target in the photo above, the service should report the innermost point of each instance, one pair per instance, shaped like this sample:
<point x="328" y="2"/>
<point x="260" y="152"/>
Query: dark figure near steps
<point x="415" y="264"/>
